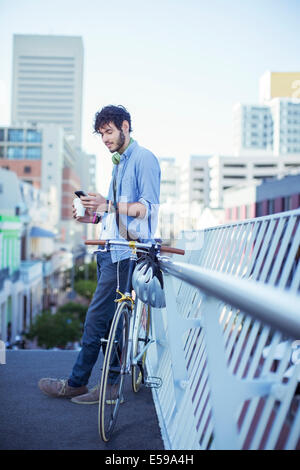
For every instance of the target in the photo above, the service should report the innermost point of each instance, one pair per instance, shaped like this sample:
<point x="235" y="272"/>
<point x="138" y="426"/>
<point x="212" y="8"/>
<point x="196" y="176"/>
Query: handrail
<point x="276" y="307"/>
<point x="227" y="345"/>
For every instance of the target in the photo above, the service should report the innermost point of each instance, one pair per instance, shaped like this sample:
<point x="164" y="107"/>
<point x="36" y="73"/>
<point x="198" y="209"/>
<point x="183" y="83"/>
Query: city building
<point x="271" y="126"/>
<point x="21" y="279"/>
<point x="169" y="184"/>
<point x="47" y="82"/>
<point x="253" y="129"/>
<point x="32" y="266"/>
<point x="194" y="181"/>
<point x="262" y="198"/>
<point x="286" y="125"/>
<point x="229" y="171"/>
<point x="86" y="169"/>
<point x="43" y="156"/>
<point x="279" y="85"/>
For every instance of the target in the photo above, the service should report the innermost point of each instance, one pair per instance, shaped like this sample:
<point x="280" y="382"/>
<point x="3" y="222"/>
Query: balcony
<point x="31" y="270"/>
<point x="60" y="262"/>
<point x="4" y="274"/>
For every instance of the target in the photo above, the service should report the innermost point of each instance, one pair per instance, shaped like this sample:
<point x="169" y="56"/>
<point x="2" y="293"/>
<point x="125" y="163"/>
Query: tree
<point x="55" y="330"/>
<point x="85" y="288"/>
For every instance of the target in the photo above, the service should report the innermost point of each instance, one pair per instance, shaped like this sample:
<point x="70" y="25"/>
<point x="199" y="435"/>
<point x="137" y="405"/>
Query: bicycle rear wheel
<point x="112" y="379"/>
<point x="140" y="340"/>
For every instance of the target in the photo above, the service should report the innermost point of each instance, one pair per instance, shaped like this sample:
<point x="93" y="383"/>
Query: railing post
<point x="177" y="325"/>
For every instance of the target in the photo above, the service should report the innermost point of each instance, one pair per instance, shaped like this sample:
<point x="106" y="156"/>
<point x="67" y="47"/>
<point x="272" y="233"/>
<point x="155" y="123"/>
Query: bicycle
<point x="128" y="341"/>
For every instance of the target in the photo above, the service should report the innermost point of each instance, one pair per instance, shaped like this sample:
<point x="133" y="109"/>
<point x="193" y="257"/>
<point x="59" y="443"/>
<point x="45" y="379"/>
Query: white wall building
<point x="47" y="81"/>
<point x="194" y="181"/>
<point x="169" y="185"/>
<point x="286" y="125"/>
<point x="229" y="171"/>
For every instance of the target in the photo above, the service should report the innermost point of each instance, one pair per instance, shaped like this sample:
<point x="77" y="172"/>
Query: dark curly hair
<point x="115" y="114"/>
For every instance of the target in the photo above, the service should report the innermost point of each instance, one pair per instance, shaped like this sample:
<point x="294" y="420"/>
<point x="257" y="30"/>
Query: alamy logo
<point x="2" y="353"/>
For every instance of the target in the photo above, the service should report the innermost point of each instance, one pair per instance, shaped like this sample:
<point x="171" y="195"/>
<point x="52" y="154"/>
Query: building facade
<point x="262" y="198"/>
<point x="229" y="171"/>
<point x="47" y="82"/>
<point x="44" y="157"/>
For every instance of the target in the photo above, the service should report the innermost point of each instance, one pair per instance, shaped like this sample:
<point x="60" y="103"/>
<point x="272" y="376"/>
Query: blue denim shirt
<point x="137" y="180"/>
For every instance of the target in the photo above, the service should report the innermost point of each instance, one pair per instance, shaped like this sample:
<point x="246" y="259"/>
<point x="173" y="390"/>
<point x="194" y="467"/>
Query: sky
<point x="178" y="66"/>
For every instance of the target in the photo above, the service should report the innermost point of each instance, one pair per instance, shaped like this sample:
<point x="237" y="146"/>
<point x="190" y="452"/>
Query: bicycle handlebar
<point x="163" y="249"/>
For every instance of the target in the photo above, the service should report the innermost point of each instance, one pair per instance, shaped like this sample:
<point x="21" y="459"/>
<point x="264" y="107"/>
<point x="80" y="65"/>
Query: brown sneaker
<point x="112" y="394"/>
<point x="92" y="397"/>
<point x="59" y="388"/>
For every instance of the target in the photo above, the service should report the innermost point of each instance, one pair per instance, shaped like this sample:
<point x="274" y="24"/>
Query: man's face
<point x="112" y="137"/>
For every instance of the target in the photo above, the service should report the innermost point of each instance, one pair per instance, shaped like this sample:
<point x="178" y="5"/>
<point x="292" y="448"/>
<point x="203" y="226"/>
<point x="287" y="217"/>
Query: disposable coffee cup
<point x="80" y="210"/>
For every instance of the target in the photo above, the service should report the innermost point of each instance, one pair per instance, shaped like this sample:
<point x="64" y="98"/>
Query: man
<point x="129" y="212"/>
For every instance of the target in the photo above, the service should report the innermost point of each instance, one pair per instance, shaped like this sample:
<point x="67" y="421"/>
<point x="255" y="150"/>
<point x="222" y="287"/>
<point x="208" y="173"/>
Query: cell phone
<point x="80" y="193"/>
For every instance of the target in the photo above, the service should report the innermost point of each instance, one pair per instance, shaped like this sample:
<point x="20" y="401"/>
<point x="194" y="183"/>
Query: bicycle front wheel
<point x="140" y="340"/>
<point x="113" y="373"/>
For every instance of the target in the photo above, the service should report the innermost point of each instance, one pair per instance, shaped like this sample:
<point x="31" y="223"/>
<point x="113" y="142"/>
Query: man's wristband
<point x="96" y="218"/>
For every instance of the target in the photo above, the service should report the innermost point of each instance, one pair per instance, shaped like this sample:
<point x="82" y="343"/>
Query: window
<point x="265" y="165"/>
<point x="287" y="203"/>
<point x="234" y="165"/>
<point x="27" y="169"/>
<point x="1" y="152"/>
<point x="271" y="206"/>
<point x="33" y="153"/>
<point x="15" y="153"/>
<point x="33" y="136"/>
<point x="1" y="135"/>
<point x="15" y="135"/>
<point x="236" y="177"/>
<point x="258" y="209"/>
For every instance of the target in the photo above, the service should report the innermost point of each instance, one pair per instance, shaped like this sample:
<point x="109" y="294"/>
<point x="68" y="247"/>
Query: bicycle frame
<point x="127" y="297"/>
<point x="136" y="338"/>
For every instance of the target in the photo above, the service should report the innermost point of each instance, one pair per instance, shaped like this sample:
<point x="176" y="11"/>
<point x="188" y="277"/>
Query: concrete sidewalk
<point x="32" y="420"/>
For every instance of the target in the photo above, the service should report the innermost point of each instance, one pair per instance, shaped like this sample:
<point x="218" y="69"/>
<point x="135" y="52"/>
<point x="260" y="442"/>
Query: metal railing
<point x="228" y="342"/>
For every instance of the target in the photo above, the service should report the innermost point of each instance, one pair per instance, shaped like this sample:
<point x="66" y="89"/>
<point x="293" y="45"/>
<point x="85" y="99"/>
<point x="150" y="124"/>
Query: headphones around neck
<point x="116" y="157"/>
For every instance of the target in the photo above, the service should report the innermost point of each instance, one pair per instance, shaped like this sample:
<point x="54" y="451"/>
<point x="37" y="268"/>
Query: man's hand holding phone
<point x="94" y="202"/>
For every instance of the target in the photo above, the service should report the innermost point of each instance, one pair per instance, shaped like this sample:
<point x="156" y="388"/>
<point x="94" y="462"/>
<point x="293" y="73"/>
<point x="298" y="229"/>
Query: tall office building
<point x="47" y="82"/>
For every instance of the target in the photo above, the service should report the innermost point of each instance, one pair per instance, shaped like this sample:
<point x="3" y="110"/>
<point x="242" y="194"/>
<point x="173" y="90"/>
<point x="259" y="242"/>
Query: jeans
<point x="99" y="316"/>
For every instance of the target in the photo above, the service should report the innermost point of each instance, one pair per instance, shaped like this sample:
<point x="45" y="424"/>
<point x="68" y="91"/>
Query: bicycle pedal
<point x="153" y="382"/>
